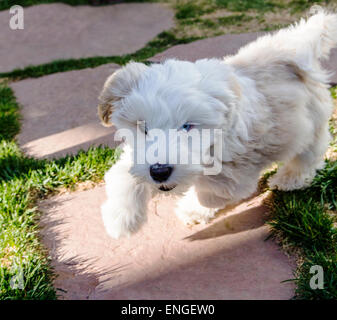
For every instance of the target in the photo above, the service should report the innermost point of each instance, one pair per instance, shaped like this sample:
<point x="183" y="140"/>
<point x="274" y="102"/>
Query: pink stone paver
<point x="227" y="259"/>
<point x="221" y="46"/>
<point x="59" y="112"/>
<point x="60" y="31"/>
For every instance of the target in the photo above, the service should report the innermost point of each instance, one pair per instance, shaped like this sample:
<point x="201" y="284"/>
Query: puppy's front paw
<point x="191" y="216"/>
<point x="120" y="222"/>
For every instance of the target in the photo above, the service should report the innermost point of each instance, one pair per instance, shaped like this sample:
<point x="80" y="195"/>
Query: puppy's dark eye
<point x="187" y="127"/>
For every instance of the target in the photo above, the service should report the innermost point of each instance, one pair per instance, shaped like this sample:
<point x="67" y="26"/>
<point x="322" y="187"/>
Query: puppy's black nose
<point x="160" y="172"/>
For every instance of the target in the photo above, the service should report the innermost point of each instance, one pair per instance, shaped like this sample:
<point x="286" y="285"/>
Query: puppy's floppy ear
<point x="116" y="87"/>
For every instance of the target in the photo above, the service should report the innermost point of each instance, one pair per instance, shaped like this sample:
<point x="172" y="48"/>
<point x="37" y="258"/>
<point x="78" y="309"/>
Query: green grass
<point x="329" y="264"/>
<point x="231" y="20"/>
<point x="305" y="220"/>
<point x="269" y="5"/>
<point x="23" y="181"/>
<point x="234" y="19"/>
<point x="300" y="5"/>
<point x="192" y="9"/>
<point x="244" y="5"/>
<point x="334" y="92"/>
<point x="162" y="42"/>
<point x="218" y="17"/>
<point x="9" y="116"/>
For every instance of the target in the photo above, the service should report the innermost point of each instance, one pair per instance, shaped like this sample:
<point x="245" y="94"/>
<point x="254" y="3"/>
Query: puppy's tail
<point x="316" y="36"/>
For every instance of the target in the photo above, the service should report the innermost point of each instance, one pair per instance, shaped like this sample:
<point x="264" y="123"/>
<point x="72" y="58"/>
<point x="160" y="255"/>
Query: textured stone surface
<point x="59" y="112"/>
<point x="221" y="46"/>
<point x="60" y="31"/>
<point x="227" y="259"/>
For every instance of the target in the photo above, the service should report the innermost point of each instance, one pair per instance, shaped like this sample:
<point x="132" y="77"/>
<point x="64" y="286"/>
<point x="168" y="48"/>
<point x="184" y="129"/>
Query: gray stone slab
<point x="59" y="112"/>
<point x="60" y="31"/>
<point x="221" y="46"/>
<point x="226" y="259"/>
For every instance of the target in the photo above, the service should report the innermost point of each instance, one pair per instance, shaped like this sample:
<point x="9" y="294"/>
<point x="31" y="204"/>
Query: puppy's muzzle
<point x="160" y="172"/>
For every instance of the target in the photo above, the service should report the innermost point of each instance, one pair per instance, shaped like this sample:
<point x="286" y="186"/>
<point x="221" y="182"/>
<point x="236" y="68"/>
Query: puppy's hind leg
<point x="190" y="211"/>
<point x="301" y="170"/>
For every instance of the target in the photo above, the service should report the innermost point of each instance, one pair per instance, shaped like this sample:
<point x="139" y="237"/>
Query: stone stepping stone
<point x="60" y="31"/>
<point x="227" y="259"/>
<point x="221" y="46"/>
<point x="59" y="112"/>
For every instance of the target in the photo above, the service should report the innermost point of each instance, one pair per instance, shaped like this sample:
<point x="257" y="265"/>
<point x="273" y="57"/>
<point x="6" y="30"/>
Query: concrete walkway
<point x="227" y="259"/>
<point x="59" y="31"/>
<point x="60" y="112"/>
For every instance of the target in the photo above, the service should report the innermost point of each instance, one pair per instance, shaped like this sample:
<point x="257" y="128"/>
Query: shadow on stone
<point x="159" y="262"/>
<point x="75" y="274"/>
<point x="243" y="221"/>
<point x="240" y="270"/>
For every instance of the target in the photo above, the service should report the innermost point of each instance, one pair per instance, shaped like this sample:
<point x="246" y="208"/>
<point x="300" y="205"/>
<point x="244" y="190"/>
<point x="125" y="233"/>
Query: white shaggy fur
<point x="271" y="101"/>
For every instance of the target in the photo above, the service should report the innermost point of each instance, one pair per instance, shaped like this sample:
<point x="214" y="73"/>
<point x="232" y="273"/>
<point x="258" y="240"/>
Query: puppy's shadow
<point x="247" y="219"/>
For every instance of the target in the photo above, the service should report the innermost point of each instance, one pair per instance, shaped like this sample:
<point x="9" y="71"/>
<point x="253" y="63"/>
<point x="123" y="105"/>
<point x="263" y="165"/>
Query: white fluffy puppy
<point x="270" y="100"/>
